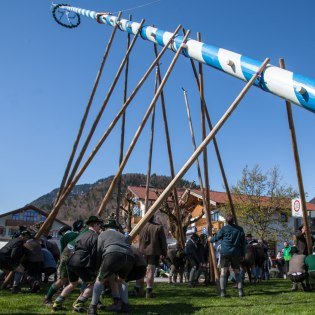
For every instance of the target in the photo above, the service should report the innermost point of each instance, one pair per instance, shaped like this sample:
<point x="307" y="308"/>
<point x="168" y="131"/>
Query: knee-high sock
<point x="150" y="276"/>
<point x="97" y="291"/>
<point x="52" y="290"/>
<point x="192" y="275"/>
<point x="223" y="282"/>
<point x="123" y="291"/>
<point x="17" y="278"/>
<point x="239" y="281"/>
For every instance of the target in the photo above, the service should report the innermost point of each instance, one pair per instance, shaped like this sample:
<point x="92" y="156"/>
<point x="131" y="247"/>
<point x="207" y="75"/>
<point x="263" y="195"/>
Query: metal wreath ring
<point x="64" y="24"/>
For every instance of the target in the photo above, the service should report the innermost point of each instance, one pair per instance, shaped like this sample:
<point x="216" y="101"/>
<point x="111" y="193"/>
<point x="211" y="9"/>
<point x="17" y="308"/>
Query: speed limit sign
<point x="296" y="207"/>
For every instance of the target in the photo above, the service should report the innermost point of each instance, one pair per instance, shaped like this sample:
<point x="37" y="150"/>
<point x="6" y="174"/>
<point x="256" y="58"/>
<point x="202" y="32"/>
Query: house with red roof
<point x="194" y="202"/>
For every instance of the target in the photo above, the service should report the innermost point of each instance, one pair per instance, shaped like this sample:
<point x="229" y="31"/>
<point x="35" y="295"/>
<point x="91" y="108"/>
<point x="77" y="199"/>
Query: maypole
<point x="293" y="87"/>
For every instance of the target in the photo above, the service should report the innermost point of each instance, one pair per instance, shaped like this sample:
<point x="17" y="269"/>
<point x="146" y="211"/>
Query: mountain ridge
<point x="84" y="199"/>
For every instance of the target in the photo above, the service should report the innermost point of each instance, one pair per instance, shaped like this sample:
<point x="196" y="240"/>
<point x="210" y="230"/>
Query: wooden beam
<point x="123" y="123"/>
<point x="170" y="158"/>
<point x="147" y="186"/>
<point x="140" y="128"/>
<point x="216" y="147"/>
<point x="52" y="215"/>
<point x="86" y="112"/>
<point x="298" y="170"/>
<point x="197" y="152"/>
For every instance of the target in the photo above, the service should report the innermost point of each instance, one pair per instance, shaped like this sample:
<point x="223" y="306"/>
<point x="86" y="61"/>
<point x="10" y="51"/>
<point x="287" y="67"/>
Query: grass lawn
<point x="270" y="297"/>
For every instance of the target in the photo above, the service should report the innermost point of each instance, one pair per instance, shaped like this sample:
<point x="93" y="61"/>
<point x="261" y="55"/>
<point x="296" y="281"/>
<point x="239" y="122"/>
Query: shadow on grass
<point x="165" y="309"/>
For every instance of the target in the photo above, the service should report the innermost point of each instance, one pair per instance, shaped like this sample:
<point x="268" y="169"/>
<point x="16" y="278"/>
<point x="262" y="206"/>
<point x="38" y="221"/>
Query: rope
<point x="137" y="7"/>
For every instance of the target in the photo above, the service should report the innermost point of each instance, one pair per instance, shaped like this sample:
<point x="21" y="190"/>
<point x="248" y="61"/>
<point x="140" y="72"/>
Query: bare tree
<point x="186" y="214"/>
<point x="263" y="203"/>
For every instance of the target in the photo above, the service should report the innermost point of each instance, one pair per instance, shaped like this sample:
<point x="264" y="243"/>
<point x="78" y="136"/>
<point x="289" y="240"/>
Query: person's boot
<point x="47" y="301"/>
<point x="78" y="307"/>
<point x="149" y="294"/>
<point x="16" y="289"/>
<point x="92" y="310"/>
<point x="223" y="294"/>
<point x="100" y="306"/>
<point x="57" y="306"/>
<point x="116" y="306"/>
<point x="35" y="287"/>
<point x="294" y="286"/>
<point x="305" y="287"/>
<point x="241" y="293"/>
<point x="137" y="292"/>
<point x="125" y="308"/>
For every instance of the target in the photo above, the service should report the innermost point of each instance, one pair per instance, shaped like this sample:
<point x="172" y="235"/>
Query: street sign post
<point x="297" y="208"/>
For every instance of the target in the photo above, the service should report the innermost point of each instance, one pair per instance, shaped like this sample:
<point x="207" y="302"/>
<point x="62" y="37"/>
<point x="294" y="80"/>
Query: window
<point x="2" y="231"/>
<point x="30" y="216"/>
<point x="16" y="216"/>
<point x="43" y="218"/>
<point x="136" y="211"/>
<point x="215" y="217"/>
<point x="283" y="217"/>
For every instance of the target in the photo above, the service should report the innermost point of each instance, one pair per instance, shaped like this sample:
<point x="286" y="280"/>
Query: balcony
<point x="202" y="223"/>
<point x="14" y="223"/>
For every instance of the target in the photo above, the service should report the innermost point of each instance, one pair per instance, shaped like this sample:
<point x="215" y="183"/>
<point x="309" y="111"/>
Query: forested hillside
<point x="85" y="199"/>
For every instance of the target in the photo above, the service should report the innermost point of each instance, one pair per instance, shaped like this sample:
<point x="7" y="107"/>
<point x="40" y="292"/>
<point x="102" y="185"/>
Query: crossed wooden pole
<point x="71" y="178"/>
<point x="74" y="179"/>
<point x="197" y="152"/>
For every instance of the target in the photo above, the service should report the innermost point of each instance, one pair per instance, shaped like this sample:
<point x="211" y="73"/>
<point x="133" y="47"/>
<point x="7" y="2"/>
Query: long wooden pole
<point x="147" y="186"/>
<point x="52" y="215"/>
<point x="205" y="153"/>
<point x="195" y="155"/>
<point x="193" y="139"/>
<point x="140" y="128"/>
<point x="87" y="110"/>
<point x="213" y="268"/>
<point x="101" y="111"/>
<point x="170" y="158"/>
<point x="225" y="181"/>
<point x="123" y="123"/>
<point x="298" y="170"/>
<point x="208" y="212"/>
<point x="216" y="147"/>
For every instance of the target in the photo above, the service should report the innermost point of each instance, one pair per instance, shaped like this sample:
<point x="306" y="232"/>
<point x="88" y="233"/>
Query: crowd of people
<point x="99" y="257"/>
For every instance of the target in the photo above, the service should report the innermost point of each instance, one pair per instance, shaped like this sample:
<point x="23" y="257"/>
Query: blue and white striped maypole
<point x="293" y="87"/>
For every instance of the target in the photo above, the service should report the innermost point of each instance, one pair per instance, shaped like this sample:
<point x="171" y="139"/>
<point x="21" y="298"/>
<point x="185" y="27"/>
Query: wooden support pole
<point x="87" y="110"/>
<point x="298" y="170"/>
<point x="170" y="158"/>
<point x="208" y="212"/>
<point x="193" y="139"/>
<point x="226" y="184"/>
<point x="147" y="186"/>
<point x="140" y="128"/>
<point x="195" y="155"/>
<point x="52" y="215"/>
<point x="123" y="123"/>
<point x="216" y="147"/>
<point x="105" y="102"/>
<point x="213" y="268"/>
<point x="205" y="153"/>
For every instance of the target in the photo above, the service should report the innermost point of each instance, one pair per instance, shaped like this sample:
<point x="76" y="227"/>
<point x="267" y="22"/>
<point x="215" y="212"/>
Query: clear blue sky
<point x="47" y="73"/>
